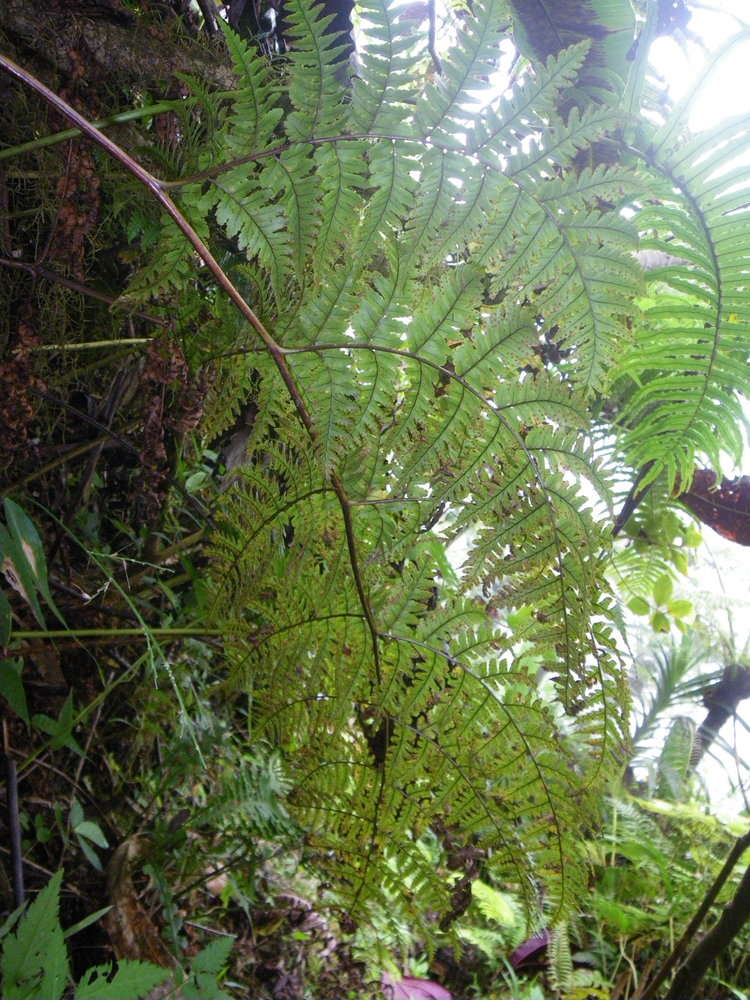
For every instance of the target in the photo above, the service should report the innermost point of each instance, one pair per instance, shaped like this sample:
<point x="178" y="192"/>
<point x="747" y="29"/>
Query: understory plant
<point x="34" y="961"/>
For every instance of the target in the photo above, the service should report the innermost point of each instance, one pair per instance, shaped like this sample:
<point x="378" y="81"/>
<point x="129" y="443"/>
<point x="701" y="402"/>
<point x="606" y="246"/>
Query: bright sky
<point x="727" y="91"/>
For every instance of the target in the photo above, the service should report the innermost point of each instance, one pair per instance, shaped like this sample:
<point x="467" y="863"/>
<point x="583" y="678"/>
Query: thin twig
<point x="45" y="871"/>
<point x="107" y="431"/>
<point x="14" y="823"/>
<point x="166" y="553"/>
<point x="79" y="769"/>
<point x="121" y="117"/>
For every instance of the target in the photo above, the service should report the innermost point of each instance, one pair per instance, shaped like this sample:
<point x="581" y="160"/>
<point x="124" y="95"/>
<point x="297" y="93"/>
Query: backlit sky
<point x="727" y="92"/>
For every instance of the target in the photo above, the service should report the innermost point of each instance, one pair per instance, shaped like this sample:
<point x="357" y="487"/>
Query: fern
<point x="560" y="959"/>
<point x="438" y="295"/>
<point x="689" y="363"/>
<point x="398" y="705"/>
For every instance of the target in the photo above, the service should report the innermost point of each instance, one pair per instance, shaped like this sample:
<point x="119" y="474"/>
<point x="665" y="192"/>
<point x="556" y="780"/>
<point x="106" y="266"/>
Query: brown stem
<point x="282" y="147"/>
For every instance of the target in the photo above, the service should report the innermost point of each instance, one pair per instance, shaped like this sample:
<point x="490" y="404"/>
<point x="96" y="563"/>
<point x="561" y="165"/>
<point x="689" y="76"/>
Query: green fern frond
<point x="420" y="270"/>
<point x="674" y="766"/>
<point x="496" y="129"/>
<point x="341" y="170"/>
<point x="171" y="266"/>
<point x="444" y="105"/>
<point x="243" y="210"/>
<point x="384" y="90"/>
<point x="691" y="348"/>
<point x="560" y="958"/>
<point x="291" y="183"/>
<point x="313" y="88"/>
<point x="255" y="113"/>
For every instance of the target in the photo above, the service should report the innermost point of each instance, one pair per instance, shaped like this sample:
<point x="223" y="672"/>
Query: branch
<point x="633" y="499"/>
<point x="432" y="38"/>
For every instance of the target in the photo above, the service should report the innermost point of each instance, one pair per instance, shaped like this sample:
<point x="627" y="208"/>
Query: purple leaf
<point x="409" y="988"/>
<point x="530" y="948"/>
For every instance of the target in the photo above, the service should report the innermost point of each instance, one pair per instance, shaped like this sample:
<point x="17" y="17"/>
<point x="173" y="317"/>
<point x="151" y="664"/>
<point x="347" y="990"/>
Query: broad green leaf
<point x="681" y="562"/>
<point x="663" y="589"/>
<point x="17" y="572"/>
<point x="86" y="922"/>
<point x="61" y="729"/>
<point x="91" y="856"/>
<point x="639" y="606"/>
<point x="22" y="528"/>
<point x="680" y="608"/>
<point x="76" y="813"/>
<point x="693" y="537"/>
<point x="660" y="622"/>
<point x="91" y="831"/>
<point x="623" y="917"/>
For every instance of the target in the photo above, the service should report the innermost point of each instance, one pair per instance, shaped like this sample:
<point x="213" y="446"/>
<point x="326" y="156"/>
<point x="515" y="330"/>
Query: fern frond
<point x="443" y="106"/>
<point x="244" y="212"/>
<point x="581" y="285"/>
<point x="560" y="958"/>
<point x="314" y="90"/>
<point x="385" y="90"/>
<point x="688" y="365"/>
<point x="674" y="761"/>
<point x="341" y="170"/>
<point x="408" y="406"/>
<point x="255" y="113"/>
<point x="291" y="183"/>
<point x="496" y="129"/>
<point x="170" y="266"/>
